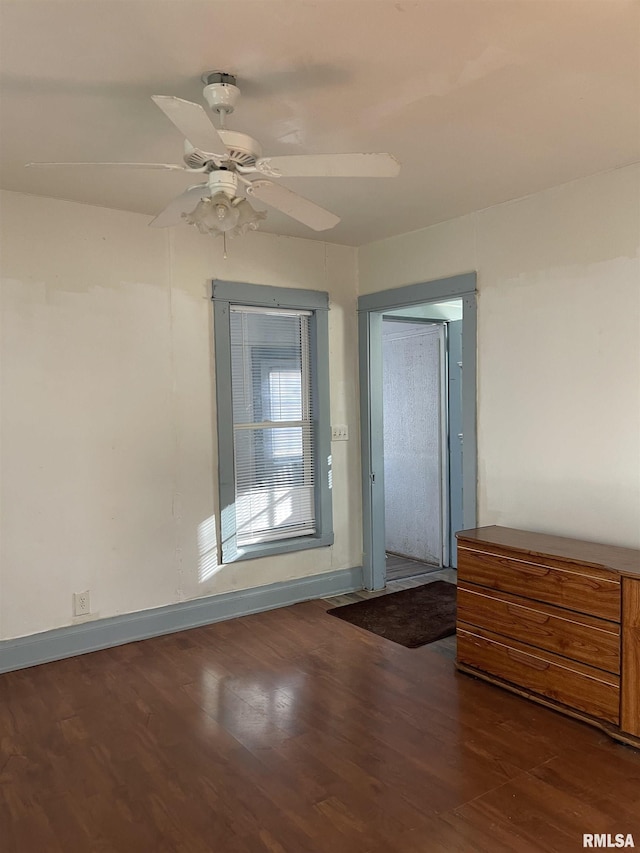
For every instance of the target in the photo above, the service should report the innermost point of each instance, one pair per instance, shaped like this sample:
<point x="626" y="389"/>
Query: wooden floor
<point x="398" y="567"/>
<point x="294" y="732"/>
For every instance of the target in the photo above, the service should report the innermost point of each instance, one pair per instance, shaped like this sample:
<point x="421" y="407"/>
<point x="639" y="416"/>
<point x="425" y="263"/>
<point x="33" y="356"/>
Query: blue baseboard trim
<point x="118" y="630"/>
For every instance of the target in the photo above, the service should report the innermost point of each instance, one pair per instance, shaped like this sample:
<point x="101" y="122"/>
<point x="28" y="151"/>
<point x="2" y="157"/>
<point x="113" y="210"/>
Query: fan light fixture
<point x="219" y="215"/>
<point x="214" y="215"/>
<point x="223" y="212"/>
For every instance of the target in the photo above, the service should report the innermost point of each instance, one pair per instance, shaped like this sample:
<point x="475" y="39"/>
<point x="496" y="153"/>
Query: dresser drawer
<point x="570" y="683"/>
<point x="585" y="590"/>
<point x="564" y="632"/>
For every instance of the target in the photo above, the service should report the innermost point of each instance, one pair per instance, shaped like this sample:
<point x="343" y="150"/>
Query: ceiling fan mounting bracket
<point x="220" y="92"/>
<point x="210" y="77"/>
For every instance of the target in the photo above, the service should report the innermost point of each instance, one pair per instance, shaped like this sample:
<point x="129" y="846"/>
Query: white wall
<point x="108" y="469"/>
<point x="108" y="411"/>
<point x="558" y="350"/>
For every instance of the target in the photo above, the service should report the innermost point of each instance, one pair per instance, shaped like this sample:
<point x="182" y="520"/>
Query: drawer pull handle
<point x="533" y="663"/>
<point x="527" y="615"/>
<point x="532" y="571"/>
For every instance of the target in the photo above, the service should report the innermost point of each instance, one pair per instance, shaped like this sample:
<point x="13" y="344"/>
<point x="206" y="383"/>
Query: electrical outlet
<point x="81" y="603"/>
<point x="340" y="433"/>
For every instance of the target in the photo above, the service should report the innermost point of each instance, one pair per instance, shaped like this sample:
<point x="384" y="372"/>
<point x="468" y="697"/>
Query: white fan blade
<point x="185" y="203"/>
<point x="192" y="122"/>
<point x="330" y="166"/>
<point x="171" y="166"/>
<point x="293" y="205"/>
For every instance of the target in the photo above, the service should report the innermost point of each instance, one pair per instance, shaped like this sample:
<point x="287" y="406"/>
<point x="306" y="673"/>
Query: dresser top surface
<point x="626" y="561"/>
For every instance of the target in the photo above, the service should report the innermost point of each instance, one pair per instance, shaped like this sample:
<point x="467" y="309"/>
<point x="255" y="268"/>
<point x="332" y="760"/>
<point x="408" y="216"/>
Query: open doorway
<point x="415" y="440"/>
<point x="418" y="401"/>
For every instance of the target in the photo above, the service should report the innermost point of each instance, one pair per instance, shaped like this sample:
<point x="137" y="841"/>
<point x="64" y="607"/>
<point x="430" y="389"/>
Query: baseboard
<point x="118" y="630"/>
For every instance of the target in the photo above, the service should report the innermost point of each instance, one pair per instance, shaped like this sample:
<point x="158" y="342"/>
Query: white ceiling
<point x="481" y="101"/>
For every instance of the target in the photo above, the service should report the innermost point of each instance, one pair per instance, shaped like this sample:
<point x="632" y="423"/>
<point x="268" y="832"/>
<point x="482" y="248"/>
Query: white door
<point x="413" y="435"/>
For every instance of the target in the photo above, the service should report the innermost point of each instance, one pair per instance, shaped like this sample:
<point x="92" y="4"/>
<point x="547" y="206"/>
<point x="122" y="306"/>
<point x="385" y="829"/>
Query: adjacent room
<point x="294" y="292"/>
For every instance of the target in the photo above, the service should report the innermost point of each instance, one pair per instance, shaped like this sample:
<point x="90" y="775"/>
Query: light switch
<point x="340" y="433"/>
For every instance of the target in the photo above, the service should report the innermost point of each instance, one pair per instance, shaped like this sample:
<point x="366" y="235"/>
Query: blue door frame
<point x="370" y="311"/>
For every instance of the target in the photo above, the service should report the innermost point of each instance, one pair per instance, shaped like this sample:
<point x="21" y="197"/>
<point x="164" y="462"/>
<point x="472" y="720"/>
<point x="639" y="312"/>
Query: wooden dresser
<point x="556" y="620"/>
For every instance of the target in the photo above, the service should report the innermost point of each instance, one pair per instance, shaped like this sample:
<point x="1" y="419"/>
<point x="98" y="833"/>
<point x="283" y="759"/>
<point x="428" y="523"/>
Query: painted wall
<point x="108" y="410"/>
<point x="108" y="471"/>
<point x="558" y="350"/>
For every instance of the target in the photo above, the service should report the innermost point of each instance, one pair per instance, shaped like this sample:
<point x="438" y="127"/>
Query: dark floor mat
<point x="412" y="617"/>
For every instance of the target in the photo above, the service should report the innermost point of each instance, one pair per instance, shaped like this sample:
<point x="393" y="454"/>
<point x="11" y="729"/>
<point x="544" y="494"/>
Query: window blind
<point x="272" y="424"/>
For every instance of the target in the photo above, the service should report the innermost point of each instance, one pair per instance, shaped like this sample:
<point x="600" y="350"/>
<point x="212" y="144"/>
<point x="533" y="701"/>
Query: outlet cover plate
<point x="81" y="603"/>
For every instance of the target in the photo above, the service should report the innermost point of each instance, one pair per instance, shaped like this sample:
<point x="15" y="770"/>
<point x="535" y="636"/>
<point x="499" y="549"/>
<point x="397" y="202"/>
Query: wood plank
<point x="630" y="695"/>
<point x="583" y="638"/>
<point x="511" y="813"/>
<point x="397" y="567"/>
<point x="570" y="683"/>
<point x="592" y="591"/>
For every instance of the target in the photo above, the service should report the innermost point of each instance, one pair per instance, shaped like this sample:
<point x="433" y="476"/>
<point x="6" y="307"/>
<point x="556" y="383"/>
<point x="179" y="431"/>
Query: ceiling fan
<point x="233" y="163"/>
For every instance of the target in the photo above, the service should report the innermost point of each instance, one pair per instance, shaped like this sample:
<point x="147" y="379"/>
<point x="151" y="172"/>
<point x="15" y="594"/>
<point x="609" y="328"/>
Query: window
<point x="273" y="421"/>
<point x="272" y="425"/>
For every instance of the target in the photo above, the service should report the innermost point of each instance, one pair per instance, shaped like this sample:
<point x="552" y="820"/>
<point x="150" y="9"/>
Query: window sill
<point x="284" y="546"/>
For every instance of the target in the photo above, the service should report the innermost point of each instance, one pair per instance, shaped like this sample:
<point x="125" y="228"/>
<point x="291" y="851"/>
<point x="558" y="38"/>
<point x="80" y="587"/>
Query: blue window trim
<point x="224" y="295"/>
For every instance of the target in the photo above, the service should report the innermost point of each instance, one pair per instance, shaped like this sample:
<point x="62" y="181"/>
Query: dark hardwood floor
<point x="294" y="732"/>
<point x="404" y="567"/>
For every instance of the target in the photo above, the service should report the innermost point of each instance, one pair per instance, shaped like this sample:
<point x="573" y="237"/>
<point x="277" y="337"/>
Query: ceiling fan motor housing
<point x="243" y="150"/>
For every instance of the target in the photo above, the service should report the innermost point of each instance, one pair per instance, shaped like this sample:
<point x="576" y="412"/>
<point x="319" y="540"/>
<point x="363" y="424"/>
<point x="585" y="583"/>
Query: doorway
<point x="419" y="484"/>
<point x="416" y="487"/>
